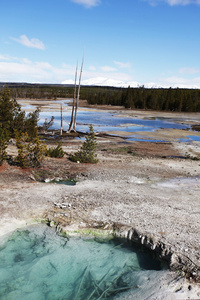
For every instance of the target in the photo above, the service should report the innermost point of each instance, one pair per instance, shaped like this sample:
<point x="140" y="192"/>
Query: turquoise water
<point x="37" y="264"/>
<point x="66" y="182"/>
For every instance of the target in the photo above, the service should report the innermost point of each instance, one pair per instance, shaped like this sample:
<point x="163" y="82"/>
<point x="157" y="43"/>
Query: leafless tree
<point x="72" y="126"/>
<point x="61" y="120"/>
<point x="74" y="101"/>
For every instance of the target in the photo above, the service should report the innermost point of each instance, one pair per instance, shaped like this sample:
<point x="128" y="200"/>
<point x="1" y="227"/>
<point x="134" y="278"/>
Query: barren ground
<point x="147" y="187"/>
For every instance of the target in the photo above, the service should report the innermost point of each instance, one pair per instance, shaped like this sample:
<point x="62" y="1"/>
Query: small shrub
<point x="48" y="123"/>
<point x="192" y="157"/>
<point x="31" y="123"/>
<point x="56" y="152"/>
<point x="87" y="153"/>
<point x="31" y="152"/>
<point x="3" y="144"/>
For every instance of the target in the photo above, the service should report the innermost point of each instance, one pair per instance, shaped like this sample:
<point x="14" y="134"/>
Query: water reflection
<point x="106" y="121"/>
<point x="111" y="122"/>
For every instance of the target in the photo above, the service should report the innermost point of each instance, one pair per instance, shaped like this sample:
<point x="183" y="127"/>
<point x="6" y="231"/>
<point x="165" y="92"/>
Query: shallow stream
<point x="111" y="122"/>
<point x="37" y="263"/>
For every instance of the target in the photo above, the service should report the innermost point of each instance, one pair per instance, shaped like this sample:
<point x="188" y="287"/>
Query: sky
<point x="155" y="43"/>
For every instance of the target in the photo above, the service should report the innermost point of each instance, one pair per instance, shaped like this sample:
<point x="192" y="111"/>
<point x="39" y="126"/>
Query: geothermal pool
<point x="37" y="263"/>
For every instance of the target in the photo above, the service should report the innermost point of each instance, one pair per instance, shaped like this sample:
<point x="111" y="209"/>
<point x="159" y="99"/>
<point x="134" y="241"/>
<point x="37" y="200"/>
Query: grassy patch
<point x="121" y="150"/>
<point x="41" y="174"/>
<point x="192" y="157"/>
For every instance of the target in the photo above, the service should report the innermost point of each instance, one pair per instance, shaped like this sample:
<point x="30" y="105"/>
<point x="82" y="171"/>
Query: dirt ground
<point x="151" y="189"/>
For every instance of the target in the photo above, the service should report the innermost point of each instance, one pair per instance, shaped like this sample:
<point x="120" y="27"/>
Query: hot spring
<point x="37" y="263"/>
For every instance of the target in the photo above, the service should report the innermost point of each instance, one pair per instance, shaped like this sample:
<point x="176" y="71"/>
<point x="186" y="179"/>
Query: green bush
<point x="87" y="153"/>
<point x="14" y="119"/>
<point x="31" y="123"/>
<point x="47" y="123"/>
<point x="31" y="151"/>
<point x="11" y="116"/>
<point x="14" y="123"/>
<point x="3" y="144"/>
<point x="56" y="152"/>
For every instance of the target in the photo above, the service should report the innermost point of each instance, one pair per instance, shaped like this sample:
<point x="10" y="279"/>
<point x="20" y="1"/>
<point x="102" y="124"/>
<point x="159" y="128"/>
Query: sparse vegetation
<point x="30" y="150"/>
<point x="87" y="153"/>
<point x="192" y="157"/>
<point x="48" y="123"/>
<point x="13" y="119"/>
<point x="121" y="150"/>
<point x="11" y="116"/>
<point x="3" y="144"/>
<point x="31" y="122"/>
<point x="14" y="124"/>
<point x="57" y="152"/>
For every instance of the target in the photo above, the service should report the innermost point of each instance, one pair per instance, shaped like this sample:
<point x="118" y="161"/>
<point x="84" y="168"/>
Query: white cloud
<point x="92" y="68"/>
<point x="180" y="82"/>
<point x="122" y="64"/>
<point x="106" y="73"/>
<point x="87" y="3"/>
<point x="31" y="43"/>
<point x="175" y="2"/>
<point x="26" y="61"/>
<point x="24" y="70"/>
<point x="189" y="71"/>
<point x="108" y="69"/>
<point x="66" y="66"/>
<point x="183" y="2"/>
<point x="6" y="57"/>
<point x="14" y="69"/>
<point x="68" y="81"/>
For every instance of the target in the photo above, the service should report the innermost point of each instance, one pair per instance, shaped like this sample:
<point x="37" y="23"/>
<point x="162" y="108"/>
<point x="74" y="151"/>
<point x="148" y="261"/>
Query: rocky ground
<point x="148" y="192"/>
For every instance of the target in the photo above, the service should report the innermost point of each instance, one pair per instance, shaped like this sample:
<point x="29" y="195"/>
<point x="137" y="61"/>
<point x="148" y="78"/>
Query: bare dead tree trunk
<point x="61" y="120"/>
<point x="78" y="95"/>
<point x="74" y="101"/>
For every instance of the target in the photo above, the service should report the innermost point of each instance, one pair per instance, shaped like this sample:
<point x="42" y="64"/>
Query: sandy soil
<point x="145" y="187"/>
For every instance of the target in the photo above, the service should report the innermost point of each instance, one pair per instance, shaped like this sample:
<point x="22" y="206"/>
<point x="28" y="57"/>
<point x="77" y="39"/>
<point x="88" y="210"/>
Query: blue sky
<point x="138" y="42"/>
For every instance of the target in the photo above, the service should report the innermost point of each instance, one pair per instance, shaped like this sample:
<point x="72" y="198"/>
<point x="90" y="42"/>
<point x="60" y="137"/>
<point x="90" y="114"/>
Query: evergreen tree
<point x="87" y="153"/>
<point x="31" y="151"/>
<point x="13" y="119"/>
<point x="3" y="144"/>
<point x="31" y="123"/>
<point x="129" y="98"/>
<point x="10" y="112"/>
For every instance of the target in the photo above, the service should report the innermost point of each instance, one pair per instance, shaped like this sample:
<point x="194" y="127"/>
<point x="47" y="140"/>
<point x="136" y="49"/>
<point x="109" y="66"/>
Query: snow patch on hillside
<point x="103" y="81"/>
